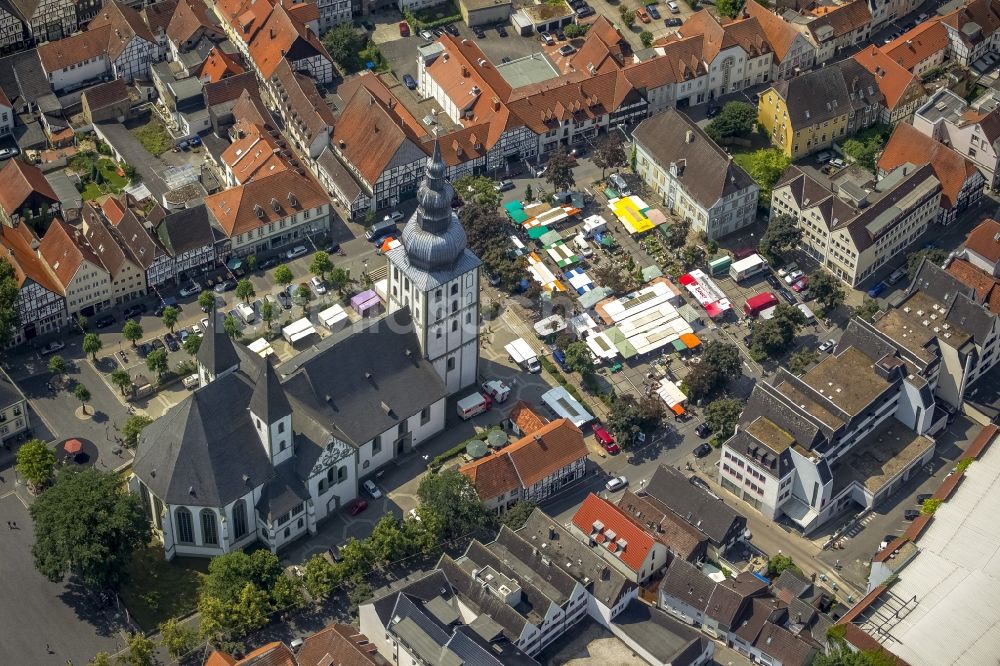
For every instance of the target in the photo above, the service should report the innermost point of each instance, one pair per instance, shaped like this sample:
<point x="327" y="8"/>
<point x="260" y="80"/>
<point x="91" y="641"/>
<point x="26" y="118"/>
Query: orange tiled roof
<point x="125" y="23"/>
<point x="611" y="519"/>
<point x="843" y="19"/>
<point x="236" y="209"/>
<point x="894" y="80"/>
<point x="272" y="654"/>
<point x="190" y="17"/>
<point x="19" y="251"/>
<point x="910" y="145"/>
<point x="918" y="44"/>
<point x="493" y="476"/>
<point x="219" y="65"/>
<point x="343" y="643"/>
<point x="986" y="286"/>
<point x="465" y="73"/>
<point x="526" y="419"/>
<point x="65" y="250"/>
<point x="983" y="13"/>
<point x="113" y="209"/>
<point x="745" y="33"/>
<point x="575" y="97"/>
<point x="18" y="181"/>
<point x="680" y="61"/>
<point x="780" y="34"/>
<point x="281" y="36"/>
<point x="71" y="50"/>
<point x="254" y="154"/>
<point x="983" y="240"/>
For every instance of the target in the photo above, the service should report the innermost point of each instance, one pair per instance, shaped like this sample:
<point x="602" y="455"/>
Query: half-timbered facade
<point x="13" y="35"/>
<point x="307" y="117"/>
<point x="188" y="239"/>
<point x="41" y="306"/>
<point x="48" y="20"/>
<point x="132" y="48"/>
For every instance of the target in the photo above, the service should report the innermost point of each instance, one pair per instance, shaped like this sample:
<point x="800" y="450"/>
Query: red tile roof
<point x="910" y="145"/>
<point x="190" y="18"/>
<point x="337" y="645"/>
<point x="896" y="83"/>
<point x="679" y="536"/>
<point x="18" y="181"/>
<point x="65" y="249"/>
<point x="272" y="654"/>
<point x="843" y="19"/>
<point x="600" y="520"/>
<point x="236" y="209"/>
<point x="745" y="33"/>
<point x="19" y="245"/>
<point x="493" y="476"/>
<point x="986" y="286"/>
<point x="71" y="50"/>
<point x="462" y="70"/>
<point x="254" y="154"/>
<point x="283" y="35"/>
<point x="113" y="209"/>
<point x="918" y="44"/>
<point x="526" y="419"/>
<point x="126" y="24"/>
<point x="780" y="34"/>
<point x="984" y="240"/>
<point x="983" y="13"/>
<point x="219" y="65"/>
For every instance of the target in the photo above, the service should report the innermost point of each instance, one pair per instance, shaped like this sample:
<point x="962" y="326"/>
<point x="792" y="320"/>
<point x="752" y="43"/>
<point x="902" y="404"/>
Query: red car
<point x="605" y="439"/>
<point x="404" y="29"/>
<point x="357" y="506"/>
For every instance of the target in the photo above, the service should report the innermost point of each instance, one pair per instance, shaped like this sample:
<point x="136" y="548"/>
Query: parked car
<point x="801" y="285"/>
<point x="713" y="110"/>
<point x="502" y="31"/>
<point x="191" y="289"/>
<point x="479" y="33"/>
<point x="52" y="347"/>
<point x="191" y="381"/>
<point x="703" y="430"/>
<point x="876" y="290"/>
<point x="156" y="343"/>
<point x="204" y="323"/>
<point x="438" y="32"/>
<point x="773" y="281"/>
<point x="404" y="29"/>
<point x="700" y="482"/>
<point x="585" y="11"/>
<point x="372" y="489"/>
<point x="409" y="82"/>
<point x="183" y="334"/>
<point x="504" y="60"/>
<point x="7" y="153"/>
<point x="134" y="310"/>
<point x="427" y="35"/>
<point x="357" y="506"/>
<point x="560" y="357"/>
<point x="296" y="251"/>
<point x="452" y="30"/>
<point x="605" y="439"/>
<point x="505" y="185"/>
<point x="284" y="300"/>
<point x="105" y="321"/>
<point x="334" y="552"/>
<point x="673" y="22"/>
<point x="196" y="329"/>
<point x="567" y="50"/>
<point x="790" y="268"/>
<point x="225" y="286"/>
<point x="911" y="514"/>
<point x="616" y="483"/>
<point x="171" y="341"/>
<point x="642" y="14"/>
<point x="793" y="277"/>
<point x="546" y="38"/>
<point x="653" y="12"/>
<point x="923" y="497"/>
<point x="560" y="35"/>
<point x="318" y="286"/>
<point x="702" y="450"/>
<point x="828" y="346"/>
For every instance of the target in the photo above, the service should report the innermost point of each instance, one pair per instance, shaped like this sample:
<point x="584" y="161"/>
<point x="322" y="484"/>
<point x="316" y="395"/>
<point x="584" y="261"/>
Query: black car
<point x="105" y="321"/>
<point x="268" y="263"/>
<point x="773" y="281"/>
<point x="700" y="482"/>
<point x="144" y="349"/>
<point x="787" y="295"/>
<point x="673" y="22"/>
<point x="156" y="343"/>
<point x="173" y="344"/>
<point x="223" y="287"/>
<point x="923" y="497"/>
<point x="478" y="32"/>
<point x="452" y="30"/>
<point x="576" y="4"/>
<point x="134" y="310"/>
<point x="703" y="430"/>
<point x="713" y="110"/>
<point x="560" y="35"/>
<point x="653" y="13"/>
<point x="438" y="32"/>
<point x="502" y="31"/>
<point x="911" y="514"/>
<point x="702" y="450"/>
<point x="504" y="60"/>
<point x="284" y="300"/>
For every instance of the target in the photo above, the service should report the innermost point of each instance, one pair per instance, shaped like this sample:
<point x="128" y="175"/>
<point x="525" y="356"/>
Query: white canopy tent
<point x="298" y="330"/>
<point x="261" y="347"/>
<point x="334" y="317"/>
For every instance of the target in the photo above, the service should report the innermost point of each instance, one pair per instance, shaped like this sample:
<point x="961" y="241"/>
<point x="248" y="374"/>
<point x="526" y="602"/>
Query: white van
<point x="247" y="313"/>
<point x="521" y="353"/>
<point x="470" y="405"/>
<point x="191" y="381"/>
<point x="582" y="245"/>
<point x="674" y="9"/>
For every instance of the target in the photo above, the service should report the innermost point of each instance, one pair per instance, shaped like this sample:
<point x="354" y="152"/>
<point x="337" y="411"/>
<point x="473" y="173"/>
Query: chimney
<point x="465" y="70"/>
<point x="689" y="137"/>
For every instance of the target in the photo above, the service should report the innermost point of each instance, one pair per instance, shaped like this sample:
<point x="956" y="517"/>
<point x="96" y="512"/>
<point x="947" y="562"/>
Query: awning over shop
<point x="334" y="317"/>
<point x="691" y="340"/>
<point x="261" y="347"/>
<point x="621" y="343"/>
<point x="536" y="232"/>
<point x="611" y="193"/>
<point x="298" y="330"/>
<point x="678" y="409"/>
<point x="651" y="273"/>
<point x="234" y="264"/>
<point x="516" y="211"/>
<point x="593" y="297"/>
<point x="678" y="345"/>
<point x="562" y="254"/>
<point x="549" y="237"/>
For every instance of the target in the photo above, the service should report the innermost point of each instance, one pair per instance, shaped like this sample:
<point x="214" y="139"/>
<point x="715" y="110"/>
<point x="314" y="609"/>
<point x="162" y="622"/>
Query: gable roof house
<point x="920" y="49"/>
<point x="973" y="32"/>
<point x="681" y="539"/>
<point x="157" y="17"/>
<point x="138" y="233"/>
<point x="947" y="118"/>
<point x="189" y="241"/>
<point x="106" y="101"/>
<point x="793" y="53"/>
<point x="41" y="302"/>
<point x="900" y="88"/>
<point x="82" y="277"/>
<point x="623" y="542"/>
<point x="283" y="35"/>
<point x="222" y="96"/>
<point x="532" y="468"/>
<point x="833" y="27"/>
<point x="255" y="152"/>
<point x="219" y="65"/>
<point x="77" y="61"/>
<point x="26" y="196"/>
<point x="308" y="118"/>
<point x="190" y="24"/>
<point x="128" y="279"/>
<point x="961" y="181"/>
<point x="48" y="20"/>
<point x="131" y="47"/>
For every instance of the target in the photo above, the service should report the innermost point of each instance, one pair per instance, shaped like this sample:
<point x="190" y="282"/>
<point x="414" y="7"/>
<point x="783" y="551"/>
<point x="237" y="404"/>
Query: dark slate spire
<point x="268" y="401"/>
<point x="217" y="353"/>
<point x="434" y="238"/>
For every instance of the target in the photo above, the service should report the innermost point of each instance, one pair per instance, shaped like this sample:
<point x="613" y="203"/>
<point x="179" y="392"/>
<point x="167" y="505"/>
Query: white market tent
<point x="261" y="347"/>
<point x="672" y="396"/>
<point x="646" y="319"/>
<point x="582" y="325"/>
<point x="566" y="406"/>
<point x="298" y="330"/>
<point x="334" y="317"/>
<point x="602" y="347"/>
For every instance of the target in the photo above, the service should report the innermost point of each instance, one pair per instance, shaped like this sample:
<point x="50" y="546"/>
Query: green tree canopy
<point x="574" y="30"/>
<point x="228" y="574"/>
<point x="319" y="576"/>
<point x="88" y="525"/>
<point x="478" y="190"/>
<point x="559" y="171"/>
<point x="192" y="345"/>
<point x="779" y="564"/>
<point x="177" y="638"/>
<point x="729" y="8"/>
<point x="170" y="315"/>
<point x="782" y="234"/>
<point x="133" y="428"/>
<point x="247" y="612"/>
<point x="773" y="336"/>
<point x="343" y="43"/>
<point x="489" y="237"/>
<point x="935" y="255"/>
<point x="156" y="361"/>
<point x="320" y="265"/>
<point x="245" y="290"/>
<point x="722" y="415"/>
<point x="801" y="360"/>
<point x="82" y="393"/>
<point x="628" y="417"/>
<point x="646" y="37"/>
<point x="827" y="289"/>
<point x="735" y="119"/>
<point x="720" y="364"/>
<point x="579" y="359"/>
<point x="140" y="651"/>
<point x="283" y="276"/>
<point x="766" y="166"/>
<point x="610" y="153"/>
<point x="132" y="331"/>
<point x="10" y="292"/>
<point x="206" y="300"/>
<point x="452" y="497"/>
<point x="339" y="279"/>
<point x="91" y="345"/>
<point x="867" y="310"/>
<point x="516" y="516"/>
<point x="36" y="462"/>
<point x="267" y="312"/>
<point x="57" y="365"/>
<point x="230" y="326"/>
<point x="121" y="379"/>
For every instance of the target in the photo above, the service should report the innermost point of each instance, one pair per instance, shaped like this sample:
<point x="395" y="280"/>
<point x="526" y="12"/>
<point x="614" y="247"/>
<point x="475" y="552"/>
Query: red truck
<point x="757" y="304"/>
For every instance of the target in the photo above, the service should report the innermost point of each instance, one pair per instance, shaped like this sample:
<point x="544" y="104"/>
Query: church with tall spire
<point x="436" y="277"/>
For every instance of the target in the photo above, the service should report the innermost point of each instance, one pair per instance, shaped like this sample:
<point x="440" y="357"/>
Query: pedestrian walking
<point x="48" y="649"/>
<point x="14" y="524"/>
<point x="9" y="526"/>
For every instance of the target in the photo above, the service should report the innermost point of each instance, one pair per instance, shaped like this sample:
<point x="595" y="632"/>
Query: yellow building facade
<point x="800" y="133"/>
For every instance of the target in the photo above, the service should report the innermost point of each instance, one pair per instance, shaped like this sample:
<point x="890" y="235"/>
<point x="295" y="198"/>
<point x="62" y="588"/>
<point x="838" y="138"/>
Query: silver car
<point x="616" y="483"/>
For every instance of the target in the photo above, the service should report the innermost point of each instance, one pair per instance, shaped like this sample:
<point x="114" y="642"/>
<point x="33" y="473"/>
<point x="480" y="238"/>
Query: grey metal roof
<point x="217" y="352"/>
<point x="661" y="635"/>
<point x="9" y="393"/>
<point x="421" y="585"/>
<point x="339" y="174"/>
<point x="359" y="384"/>
<point x="69" y="196"/>
<point x="686" y="583"/>
<point x="186" y="230"/>
<point x="268" y="401"/>
<point x="283" y="492"/>
<point x="187" y="455"/>
<point x="713" y="517"/>
<point x="22" y="78"/>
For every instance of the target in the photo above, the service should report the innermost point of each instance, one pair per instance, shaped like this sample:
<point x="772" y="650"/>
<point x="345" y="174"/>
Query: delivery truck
<point x="744" y="268"/>
<point x="521" y="353"/>
<point x="757" y="304"/>
<point x="470" y="405"/>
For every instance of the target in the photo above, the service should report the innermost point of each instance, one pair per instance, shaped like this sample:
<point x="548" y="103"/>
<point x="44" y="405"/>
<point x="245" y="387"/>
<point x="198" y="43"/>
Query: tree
<point x="864" y="149"/>
<point x="624" y="419"/>
<point x="780" y="563"/>
<point x="782" y="234"/>
<point x="529" y="194"/>
<point x="627" y="15"/>
<point x="342" y="42"/>
<point x="453" y="498"/>
<point x="92" y="345"/>
<point x="319" y="576"/>
<point x="140" y="651"/>
<point x="867" y="310"/>
<point x="801" y="360"/>
<point x="133" y="428"/>
<point x="132" y="331"/>
<point x="646" y="37"/>
<point x="735" y="119"/>
<point x="516" y="516"/>
<point x="616" y="278"/>
<point x="82" y="393"/>
<point x="88" y="525"/>
<point x="609" y="153"/>
<point x="839" y="654"/>
<point x="283" y="276"/>
<point x="720" y="364"/>
<point x="358" y="591"/>
<point x="245" y="290"/>
<point x="192" y="345"/>
<point x="559" y="171"/>
<point x="206" y="300"/>
<point x="81" y="323"/>
<point x="722" y="415"/>
<point x="156" y="361"/>
<point x="579" y="359"/>
<point x="247" y="612"/>
<point x="828" y="290"/>
<point x="230" y="326"/>
<point x="57" y="366"/>
<point x="773" y="336"/>
<point x="679" y="231"/>
<point x="10" y="292"/>
<point x="122" y="380"/>
<point x="339" y="279"/>
<point x="478" y="189"/>
<point x="304" y="294"/>
<point x="228" y="574"/>
<point x="574" y="30"/>
<point x="170" y="314"/>
<point x="36" y="462"/>
<point x="730" y="8"/>
<point x="267" y="313"/>
<point x="251" y="263"/>
<point x="766" y="166"/>
<point x="935" y="255"/>
<point x="177" y="638"/>
<point x="320" y="265"/>
<point x="100" y="659"/>
<point x="693" y="254"/>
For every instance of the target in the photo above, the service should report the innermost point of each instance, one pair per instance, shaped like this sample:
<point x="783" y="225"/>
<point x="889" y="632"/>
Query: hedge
<point x="438" y="461"/>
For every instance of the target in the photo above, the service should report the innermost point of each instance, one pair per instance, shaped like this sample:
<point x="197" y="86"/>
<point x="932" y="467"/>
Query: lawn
<point x="159" y="590"/>
<point x="154" y="137"/>
<point x="113" y="182"/>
